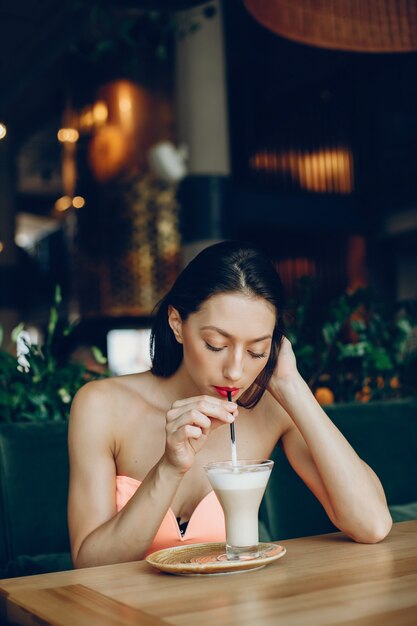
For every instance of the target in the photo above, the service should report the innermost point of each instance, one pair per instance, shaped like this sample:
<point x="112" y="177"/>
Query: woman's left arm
<point x="347" y="487"/>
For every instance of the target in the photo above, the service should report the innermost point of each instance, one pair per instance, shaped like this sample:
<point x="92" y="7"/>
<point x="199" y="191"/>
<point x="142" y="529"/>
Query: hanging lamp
<point x="351" y="25"/>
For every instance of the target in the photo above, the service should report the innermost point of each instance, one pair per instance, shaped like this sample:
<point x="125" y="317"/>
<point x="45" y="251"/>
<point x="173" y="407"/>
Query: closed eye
<point x="258" y="356"/>
<point x="254" y="355"/>
<point x="209" y="347"/>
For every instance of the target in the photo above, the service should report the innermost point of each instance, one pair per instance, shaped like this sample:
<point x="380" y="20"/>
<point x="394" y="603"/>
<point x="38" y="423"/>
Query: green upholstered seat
<point x="40" y="564"/>
<point x="403" y="512"/>
<point x="33" y="489"/>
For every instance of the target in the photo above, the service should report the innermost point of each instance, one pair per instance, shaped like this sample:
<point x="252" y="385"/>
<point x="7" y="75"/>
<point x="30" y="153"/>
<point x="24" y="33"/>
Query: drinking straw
<point x="232" y="435"/>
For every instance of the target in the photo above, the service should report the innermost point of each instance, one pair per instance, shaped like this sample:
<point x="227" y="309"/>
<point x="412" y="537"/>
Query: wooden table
<point x="320" y="581"/>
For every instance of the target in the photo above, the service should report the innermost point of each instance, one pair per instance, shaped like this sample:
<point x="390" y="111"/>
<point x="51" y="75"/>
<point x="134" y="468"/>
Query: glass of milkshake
<point x="240" y="488"/>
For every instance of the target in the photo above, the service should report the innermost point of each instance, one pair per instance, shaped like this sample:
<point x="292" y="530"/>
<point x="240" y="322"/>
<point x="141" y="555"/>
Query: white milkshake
<point x="240" y="489"/>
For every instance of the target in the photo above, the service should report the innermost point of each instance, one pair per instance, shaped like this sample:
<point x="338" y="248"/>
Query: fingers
<point x="191" y="427"/>
<point x="192" y="417"/>
<point x="203" y="405"/>
<point x="285" y="343"/>
<point x="189" y="422"/>
<point x="188" y="431"/>
<point x="210" y="399"/>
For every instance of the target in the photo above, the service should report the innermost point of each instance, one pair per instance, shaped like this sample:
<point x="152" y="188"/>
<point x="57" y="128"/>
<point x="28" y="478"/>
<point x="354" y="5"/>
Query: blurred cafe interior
<point x="135" y="133"/>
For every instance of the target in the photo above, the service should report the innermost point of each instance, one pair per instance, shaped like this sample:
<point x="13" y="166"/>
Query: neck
<point x="178" y="386"/>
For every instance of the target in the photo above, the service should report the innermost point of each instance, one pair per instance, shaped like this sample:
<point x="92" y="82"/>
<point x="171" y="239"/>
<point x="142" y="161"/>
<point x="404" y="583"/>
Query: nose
<point x="233" y="367"/>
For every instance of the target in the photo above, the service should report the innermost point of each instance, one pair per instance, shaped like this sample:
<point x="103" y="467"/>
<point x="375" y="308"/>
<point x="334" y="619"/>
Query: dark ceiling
<point x="35" y="42"/>
<point x="35" y="37"/>
<point x="265" y="72"/>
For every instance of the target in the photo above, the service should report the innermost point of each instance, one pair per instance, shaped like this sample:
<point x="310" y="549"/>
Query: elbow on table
<point x="373" y="532"/>
<point x="78" y="562"/>
<point x="81" y="561"/>
<point x="83" y="558"/>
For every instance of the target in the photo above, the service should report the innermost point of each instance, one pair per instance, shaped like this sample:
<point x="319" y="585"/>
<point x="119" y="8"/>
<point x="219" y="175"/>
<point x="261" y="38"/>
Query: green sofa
<point x="34" y="483"/>
<point x="33" y="498"/>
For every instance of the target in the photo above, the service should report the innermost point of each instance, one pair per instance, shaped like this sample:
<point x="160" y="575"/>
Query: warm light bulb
<point x="86" y="118"/>
<point x="3" y="131"/>
<point x="63" y="203"/>
<point x="68" y="135"/>
<point x="78" y="202"/>
<point x="1" y="247"/>
<point x="100" y="112"/>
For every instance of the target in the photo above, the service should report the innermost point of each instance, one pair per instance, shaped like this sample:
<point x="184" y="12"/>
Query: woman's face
<point x="226" y="343"/>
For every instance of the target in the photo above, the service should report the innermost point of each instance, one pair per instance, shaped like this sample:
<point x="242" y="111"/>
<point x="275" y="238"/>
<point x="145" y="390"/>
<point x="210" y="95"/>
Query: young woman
<point x="138" y="443"/>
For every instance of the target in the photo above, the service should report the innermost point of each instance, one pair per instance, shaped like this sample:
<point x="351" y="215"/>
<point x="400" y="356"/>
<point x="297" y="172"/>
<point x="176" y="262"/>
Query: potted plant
<point x="356" y="350"/>
<point x="38" y="385"/>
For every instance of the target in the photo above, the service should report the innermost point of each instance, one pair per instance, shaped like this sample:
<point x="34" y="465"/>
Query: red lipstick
<point x="224" y="390"/>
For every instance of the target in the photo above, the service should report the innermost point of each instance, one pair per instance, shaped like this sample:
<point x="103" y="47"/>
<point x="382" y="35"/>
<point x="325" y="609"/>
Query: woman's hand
<point x="286" y="367"/>
<point x="188" y="424"/>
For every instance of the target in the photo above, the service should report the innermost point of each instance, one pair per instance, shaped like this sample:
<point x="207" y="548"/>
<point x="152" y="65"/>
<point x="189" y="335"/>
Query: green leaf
<point x="33" y="394"/>
<point x="306" y="351"/>
<point x="8" y="363"/>
<point x="53" y="320"/>
<point x="38" y="399"/>
<point x="98" y="355"/>
<point x="353" y="350"/>
<point x="381" y="359"/>
<point x="57" y="295"/>
<point x="291" y="336"/>
<point x="329" y="332"/>
<point x="404" y="326"/>
<point x="8" y="399"/>
<point x="32" y="416"/>
<point x="358" y="326"/>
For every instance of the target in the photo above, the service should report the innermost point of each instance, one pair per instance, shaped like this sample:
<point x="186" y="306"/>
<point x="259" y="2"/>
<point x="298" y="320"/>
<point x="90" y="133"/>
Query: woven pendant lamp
<point x="355" y="25"/>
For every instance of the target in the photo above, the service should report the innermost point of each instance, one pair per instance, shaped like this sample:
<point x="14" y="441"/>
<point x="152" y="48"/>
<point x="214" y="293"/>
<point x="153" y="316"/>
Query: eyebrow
<point x="225" y="334"/>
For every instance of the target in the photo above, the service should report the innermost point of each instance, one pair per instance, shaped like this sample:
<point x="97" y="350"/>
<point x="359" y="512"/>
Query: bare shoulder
<point x="99" y="403"/>
<point x="112" y="393"/>
<point x="102" y="404"/>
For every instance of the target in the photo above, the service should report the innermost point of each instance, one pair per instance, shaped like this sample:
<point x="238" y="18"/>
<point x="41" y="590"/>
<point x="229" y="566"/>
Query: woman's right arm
<point x="99" y="534"/>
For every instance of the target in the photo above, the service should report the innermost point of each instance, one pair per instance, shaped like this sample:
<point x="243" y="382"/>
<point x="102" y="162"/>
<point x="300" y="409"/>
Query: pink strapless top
<point x="206" y="524"/>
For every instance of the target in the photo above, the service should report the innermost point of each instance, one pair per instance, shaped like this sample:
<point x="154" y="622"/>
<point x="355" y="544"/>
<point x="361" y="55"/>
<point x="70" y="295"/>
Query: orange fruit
<point x="394" y="383"/>
<point x="324" y="396"/>
<point x="380" y="382"/>
<point x="364" y="395"/>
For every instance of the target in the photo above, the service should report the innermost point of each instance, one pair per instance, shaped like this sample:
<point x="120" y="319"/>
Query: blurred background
<point x="135" y="133"/>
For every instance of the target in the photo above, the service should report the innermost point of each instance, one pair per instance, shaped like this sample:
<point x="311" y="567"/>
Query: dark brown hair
<point x="226" y="267"/>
